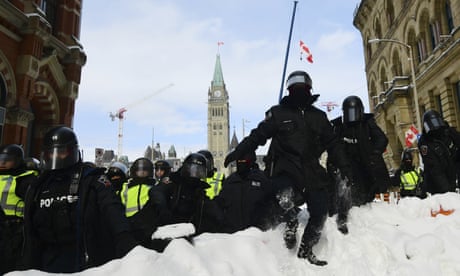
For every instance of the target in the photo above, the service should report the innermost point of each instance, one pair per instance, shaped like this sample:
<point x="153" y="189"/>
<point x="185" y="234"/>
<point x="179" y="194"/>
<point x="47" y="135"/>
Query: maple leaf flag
<point x="304" y="49"/>
<point x="411" y="136"/>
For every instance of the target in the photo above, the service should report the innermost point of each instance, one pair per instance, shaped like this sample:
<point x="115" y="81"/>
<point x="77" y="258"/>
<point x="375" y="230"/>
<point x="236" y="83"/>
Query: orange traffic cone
<point x="441" y="211"/>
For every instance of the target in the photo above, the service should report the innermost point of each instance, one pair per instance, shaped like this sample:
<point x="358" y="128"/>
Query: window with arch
<point x="378" y="29"/>
<point x="449" y="17"/>
<point x="3" y="93"/>
<point x="396" y="68"/>
<point x="390" y="10"/>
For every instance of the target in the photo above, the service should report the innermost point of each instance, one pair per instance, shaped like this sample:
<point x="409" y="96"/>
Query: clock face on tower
<point x="217" y="93"/>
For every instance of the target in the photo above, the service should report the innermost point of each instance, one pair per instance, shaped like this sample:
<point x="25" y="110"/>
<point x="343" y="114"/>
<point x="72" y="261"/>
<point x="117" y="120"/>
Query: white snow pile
<point x="384" y="239"/>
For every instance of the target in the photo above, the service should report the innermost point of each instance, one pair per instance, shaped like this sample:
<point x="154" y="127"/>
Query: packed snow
<point x="407" y="238"/>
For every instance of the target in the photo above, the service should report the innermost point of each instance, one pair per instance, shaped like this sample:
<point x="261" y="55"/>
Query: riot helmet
<point x="117" y="170"/>
<point x="11" y="157"/>
<point x="353" y="109"/>
<point x="406" y="158"/>
<point x="299" y="79"/>
<point x="245" y="163"/>
<point x="141" y="168"/>
<point x="209" y="161"/>
<point x="432" y="122"/>
<point x="60" y="149"/>
<point x="163" y="165"/>
<point x="194" y="166"/>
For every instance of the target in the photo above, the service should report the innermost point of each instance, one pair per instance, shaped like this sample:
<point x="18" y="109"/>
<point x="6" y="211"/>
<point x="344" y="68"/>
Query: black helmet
<point x="60" y="149"/>
<point x="11" y="152"/>
<point x="245" y="163"/>
<point x="194" y="166"/>
<point x="209" y="161"/>
<point x="298" y="77"/>
<point x="353" y="109"/>
<point x="142" y="167"/>
<point x="407" y="158"/>
<point x="432" y="121"/>
<point x="32" y="163"/>
<point x="117" y="169"/>
<point x="163" y="165"/>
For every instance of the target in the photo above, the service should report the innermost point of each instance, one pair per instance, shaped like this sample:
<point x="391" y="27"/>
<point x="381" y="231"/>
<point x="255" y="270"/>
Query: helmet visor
<point x="297" y="79"/>
<point x="352" y="114"/>
<point x="59" y="157"/>
<point x="194" y="170"/>
<point x="433" y="123"/>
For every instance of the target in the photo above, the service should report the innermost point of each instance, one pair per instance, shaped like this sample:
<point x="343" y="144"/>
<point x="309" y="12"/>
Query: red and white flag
<point x="411" y="136"/>
<point x="304" y="49"/>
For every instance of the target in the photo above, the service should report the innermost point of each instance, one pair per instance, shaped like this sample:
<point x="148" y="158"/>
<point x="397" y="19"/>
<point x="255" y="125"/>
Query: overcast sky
<point x="137" y="48"/>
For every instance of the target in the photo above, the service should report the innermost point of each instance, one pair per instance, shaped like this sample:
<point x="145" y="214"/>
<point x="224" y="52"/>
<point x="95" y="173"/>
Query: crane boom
<point x="120" y="116"/>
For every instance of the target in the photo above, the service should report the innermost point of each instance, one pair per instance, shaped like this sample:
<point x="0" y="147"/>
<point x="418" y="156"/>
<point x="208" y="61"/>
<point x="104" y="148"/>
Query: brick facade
<point x="40" y="68"/>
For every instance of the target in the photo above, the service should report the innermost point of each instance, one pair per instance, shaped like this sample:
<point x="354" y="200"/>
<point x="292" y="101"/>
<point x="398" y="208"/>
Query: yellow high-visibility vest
<point x="216" y="184"/>
<point x="11" y="204"/>
<point x="134" y="198"/>
<point x="409" y="180"/>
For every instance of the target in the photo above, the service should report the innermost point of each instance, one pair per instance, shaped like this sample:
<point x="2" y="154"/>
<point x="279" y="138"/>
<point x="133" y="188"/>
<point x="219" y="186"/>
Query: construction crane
<point x="329" y="105"/>
<point x="120" y="115"/>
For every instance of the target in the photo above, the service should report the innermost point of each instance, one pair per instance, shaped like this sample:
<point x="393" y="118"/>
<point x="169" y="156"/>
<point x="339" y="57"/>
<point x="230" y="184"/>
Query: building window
<point x="457" y="93"/>
<point x="439" y="105"/>
<point x="434" y="34"/>
<point x="450" y="19"/>
<point x="421" y="50"/>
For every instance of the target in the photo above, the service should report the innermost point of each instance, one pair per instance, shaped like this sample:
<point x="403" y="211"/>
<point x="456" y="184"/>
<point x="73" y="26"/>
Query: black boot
<point x="342" y="224"/>
<point x="306" y="252"/>
<point x="290" y="233"/>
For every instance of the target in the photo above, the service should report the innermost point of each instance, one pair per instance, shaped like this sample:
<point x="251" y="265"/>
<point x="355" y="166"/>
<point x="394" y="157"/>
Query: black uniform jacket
<point x="69" y="231"/>
<point x="299" y="137"/>
<point x="245" y="200"/>
<point x="184" y="200"/>
<point x="365" y="143"/>
<point x="441" y="161"/>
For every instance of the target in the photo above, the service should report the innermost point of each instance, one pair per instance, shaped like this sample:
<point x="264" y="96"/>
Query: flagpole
<point x="287" y="51"/>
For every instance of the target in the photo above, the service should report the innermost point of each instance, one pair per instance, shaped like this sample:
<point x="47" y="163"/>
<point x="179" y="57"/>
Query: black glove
<point x="231" y="156"/>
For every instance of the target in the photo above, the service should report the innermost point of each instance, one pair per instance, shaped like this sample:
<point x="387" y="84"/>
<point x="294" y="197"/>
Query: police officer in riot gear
<point x="134" y="195"/>
<point x="245" y="196"/>
<point x="364" y="144"/>
<point x="15" y="178"/>
<point x="408" y="177"/>
<point x="73" y="219"/>
<point x="162" y="171"/>
<point x="184" y="199"/>
<point x="439" y="146"/>
<point x="214" y="178"/>
<point x="117" y="173"/>
<point x="300" y="133"/>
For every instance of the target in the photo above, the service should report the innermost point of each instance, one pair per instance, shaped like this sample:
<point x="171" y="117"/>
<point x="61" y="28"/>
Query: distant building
<point x="412" y="63"/>
<point x="40" y="67"/>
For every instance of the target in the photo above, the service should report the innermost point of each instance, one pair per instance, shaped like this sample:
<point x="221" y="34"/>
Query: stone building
<point x="40" y="67"/>
<point x="218" y="118"/>
<point x="412" y="64"/>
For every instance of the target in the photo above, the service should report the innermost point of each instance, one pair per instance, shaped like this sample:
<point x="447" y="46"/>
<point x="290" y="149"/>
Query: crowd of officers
<point x="61" y="214"/>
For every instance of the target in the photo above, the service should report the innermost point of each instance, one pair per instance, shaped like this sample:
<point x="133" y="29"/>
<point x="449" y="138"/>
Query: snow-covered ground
<point x="384" y="239"/>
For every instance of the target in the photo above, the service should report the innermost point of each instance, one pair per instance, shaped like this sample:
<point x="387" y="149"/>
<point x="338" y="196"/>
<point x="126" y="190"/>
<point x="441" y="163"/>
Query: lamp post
<point x="409" y="48"/>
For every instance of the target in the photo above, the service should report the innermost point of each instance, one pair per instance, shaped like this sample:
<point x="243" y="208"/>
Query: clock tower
<point x="218" y="118"/>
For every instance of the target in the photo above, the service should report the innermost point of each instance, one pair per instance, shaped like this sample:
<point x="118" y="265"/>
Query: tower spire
<point x="218" y="78"/>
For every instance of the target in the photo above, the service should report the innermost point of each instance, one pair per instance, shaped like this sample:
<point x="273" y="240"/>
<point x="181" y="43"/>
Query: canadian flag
<point x="304" y="49"/>
<point x="411" y="136"/>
